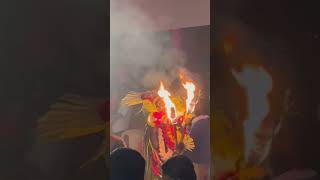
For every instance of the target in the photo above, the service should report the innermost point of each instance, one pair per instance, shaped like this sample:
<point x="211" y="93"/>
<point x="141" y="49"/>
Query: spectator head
<point x="179" y="168"/>
<point x="127" y="164"/>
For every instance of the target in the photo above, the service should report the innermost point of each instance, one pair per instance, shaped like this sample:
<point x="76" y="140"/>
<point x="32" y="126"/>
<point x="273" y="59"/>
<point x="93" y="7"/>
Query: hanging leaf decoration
<point x="188" y="143"/>
<point x="131" y="99"/>
<point x="149" y="106"/>
<point x="71" y="117"/>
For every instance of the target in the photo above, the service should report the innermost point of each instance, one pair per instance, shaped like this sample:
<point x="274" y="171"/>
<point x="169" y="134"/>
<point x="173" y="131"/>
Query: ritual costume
<point x="168" y="123"/>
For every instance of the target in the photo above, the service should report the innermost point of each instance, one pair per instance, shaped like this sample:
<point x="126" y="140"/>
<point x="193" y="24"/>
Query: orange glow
<point x="257" y="83"/>
<point x="190" y="87"/>
<point x="169" y="105"/>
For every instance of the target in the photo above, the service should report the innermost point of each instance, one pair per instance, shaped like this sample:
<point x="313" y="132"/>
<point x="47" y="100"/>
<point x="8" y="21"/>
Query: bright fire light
<point x="190" y="87"/>
<point x="258" y="84"/>
<point x="169" y="105"/>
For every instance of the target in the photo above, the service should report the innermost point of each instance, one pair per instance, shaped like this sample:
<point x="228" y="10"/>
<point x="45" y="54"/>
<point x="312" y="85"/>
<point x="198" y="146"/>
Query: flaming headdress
<point x="170" y="118"/>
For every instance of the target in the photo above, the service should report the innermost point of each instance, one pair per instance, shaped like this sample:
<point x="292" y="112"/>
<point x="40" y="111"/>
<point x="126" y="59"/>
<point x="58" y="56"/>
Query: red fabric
<point x="155" y="163"/>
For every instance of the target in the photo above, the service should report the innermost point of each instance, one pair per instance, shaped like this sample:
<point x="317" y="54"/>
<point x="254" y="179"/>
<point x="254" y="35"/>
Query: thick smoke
<point x="138" y="52"/>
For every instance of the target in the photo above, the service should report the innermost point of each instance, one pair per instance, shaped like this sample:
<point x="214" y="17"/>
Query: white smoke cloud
<point x="145" y="55"/>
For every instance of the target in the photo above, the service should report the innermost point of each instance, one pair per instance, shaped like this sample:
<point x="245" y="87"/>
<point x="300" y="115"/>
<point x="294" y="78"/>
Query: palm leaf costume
<point x="161" y="139"/>
<point x="73" y="117"/>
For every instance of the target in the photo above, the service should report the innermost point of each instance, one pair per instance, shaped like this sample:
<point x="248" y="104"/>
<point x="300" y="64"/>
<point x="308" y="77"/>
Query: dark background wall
<point x="47" y="48"/>
<point x="288" y="35"/>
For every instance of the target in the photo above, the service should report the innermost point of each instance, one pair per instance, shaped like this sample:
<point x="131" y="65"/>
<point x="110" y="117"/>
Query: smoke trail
<point x="137" y="51"/>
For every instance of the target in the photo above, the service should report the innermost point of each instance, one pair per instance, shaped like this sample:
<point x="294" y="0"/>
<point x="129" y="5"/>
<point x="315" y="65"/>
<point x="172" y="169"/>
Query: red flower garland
<point x="167" y="131"/>
<point x="155" y="164"/>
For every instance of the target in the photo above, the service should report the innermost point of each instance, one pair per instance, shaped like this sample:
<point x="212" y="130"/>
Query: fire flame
<point x="169" y="105"/>
<point x="190" y="87"/>
<point x="258" y="84"/>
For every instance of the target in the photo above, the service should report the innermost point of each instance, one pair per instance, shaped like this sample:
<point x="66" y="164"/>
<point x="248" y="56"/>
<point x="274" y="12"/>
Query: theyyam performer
<point x="168" y="123"/>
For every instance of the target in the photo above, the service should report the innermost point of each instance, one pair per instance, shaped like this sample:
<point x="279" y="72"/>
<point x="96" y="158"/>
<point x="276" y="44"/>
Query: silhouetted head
<point x="127" y="164"/>
<point x="178" y="168"/>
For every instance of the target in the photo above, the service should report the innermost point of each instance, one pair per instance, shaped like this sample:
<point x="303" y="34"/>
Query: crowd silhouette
<point x="127" y="164"/>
